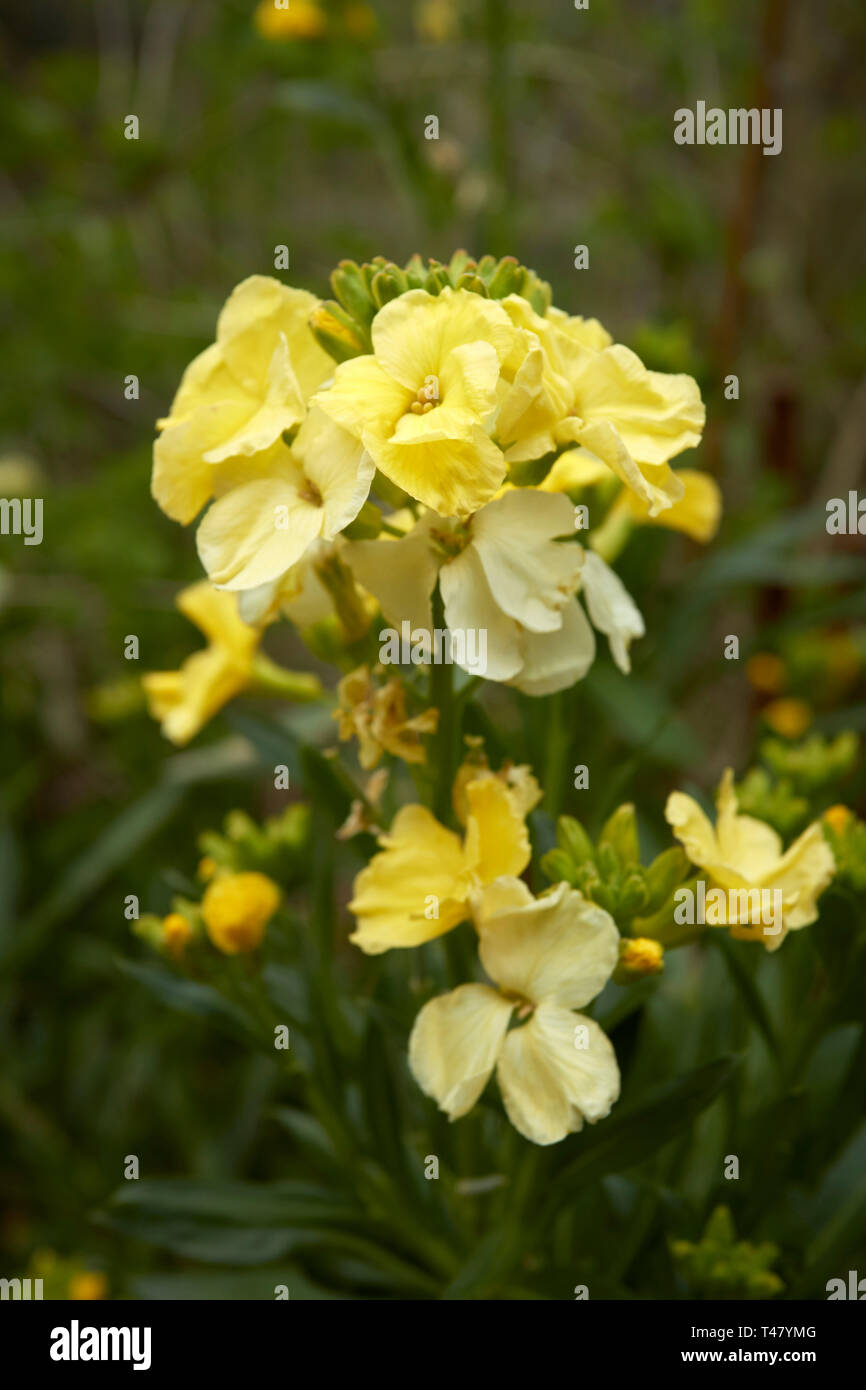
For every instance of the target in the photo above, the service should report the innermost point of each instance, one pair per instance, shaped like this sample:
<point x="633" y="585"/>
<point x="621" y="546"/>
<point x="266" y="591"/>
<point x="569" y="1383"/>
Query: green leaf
<point x="191" y="998"/>
<point x="285" y="1203"/>
<point x="118" y="845"/>
<point x="749" y="991"/>
<point x="229" y="1285"/>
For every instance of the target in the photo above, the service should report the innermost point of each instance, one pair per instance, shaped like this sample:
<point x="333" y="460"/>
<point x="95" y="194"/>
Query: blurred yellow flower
<point x="547" y="957"/>
<point x="742" y="854"/>
<point x="418" y="887"/>
<point x="376" y="715"/>
<point x="837" y="817"/>
<point x="89" y="1284"/>
<point x="437" y="21"/>
<point x="697" y="513"/>
<point x="176" y="934"/>
<point x="290" y="19"/>
<point x="788" y="717"/>
<point x="236" y="909"/>
<point x="185" y="700"/>
<point x="765" y="672"/>
<point x="422" y="402"/>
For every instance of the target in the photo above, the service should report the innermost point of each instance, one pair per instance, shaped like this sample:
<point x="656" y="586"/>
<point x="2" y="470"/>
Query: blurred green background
<point x="555" y="130"/>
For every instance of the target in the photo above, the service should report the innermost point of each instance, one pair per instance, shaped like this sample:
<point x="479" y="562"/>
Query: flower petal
<point x="559" y="947"/>
<point x="471" y="607"/>
<point x="497" y="841"/>
<point x="611" y="608"/>
<point x="550" y="1083"/>
<point x="415" y="334"/>
<point x="245" y="541"/>
<point x="531" y="575"/>
<point x="454" y="1045"/>
<point x="421" y="866"/>
<point x="555" y="660"/>
<point x="254" y="317"/>
<point x="400" y="574"/>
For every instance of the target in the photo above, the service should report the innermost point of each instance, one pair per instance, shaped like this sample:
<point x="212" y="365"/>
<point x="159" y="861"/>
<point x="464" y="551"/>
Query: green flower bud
<point x="620" y="831"/>
<point x="559" y="866"/>
<point x="470" y="281"/>
<point x="663" y="875"/>
<point x="387" y="284"/>
<point x="351" y="289"/>
<point x="609" y="864"/>
<point x="572" y="837"/>
<point x="633" y="894"/>
<point x="504" y="278"/>
<point x="337" y="332"/>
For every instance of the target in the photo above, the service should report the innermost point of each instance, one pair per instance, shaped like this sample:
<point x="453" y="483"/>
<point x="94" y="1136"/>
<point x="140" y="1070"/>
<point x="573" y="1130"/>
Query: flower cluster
<point x="440" y="445"/>
<point x="475" y="412"/>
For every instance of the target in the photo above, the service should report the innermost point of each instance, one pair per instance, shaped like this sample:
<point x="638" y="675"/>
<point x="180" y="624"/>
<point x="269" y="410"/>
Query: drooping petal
<point x="531" y="575"/>
<point x="415" y="889"/>
<point x="555" y="660"/>
<point x="454" y="1045"/>
<point x="556" y="1071"/>
<point x="611" y="608"/>
<point x="696" y="514"/>
<point x="559" y="947"/>
<point x="471" y="607"/>
<point x="401" y="574"/>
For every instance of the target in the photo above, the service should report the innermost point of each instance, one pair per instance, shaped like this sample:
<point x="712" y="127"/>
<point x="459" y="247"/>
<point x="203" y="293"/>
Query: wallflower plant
<point x="425" y="449"/>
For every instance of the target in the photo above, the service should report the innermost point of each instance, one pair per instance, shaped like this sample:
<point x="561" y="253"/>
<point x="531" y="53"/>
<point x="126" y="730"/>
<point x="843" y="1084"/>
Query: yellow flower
<point x="575" y="386"/>
<point x="639" y="956"/>
<point x="185" y="700"/>
<point x="437" y="21"/>
<point x="239" y="395"/>
<point x="423" y="403"/>
<point x="506" y="577"/>
<point x="547" y="957"/>
<point x="89" y="1284"/>
<point x="277" y="505"/>
<point x="418" y="887"/>
<point x="236" y="908"/>
<point x="293" y="19"/>
<point x="207" y="867"/>
<point x="377" y="716"/>
<point x="176" y="934"/>
<point x="837" y="817"/>
<point x="788" y="717"/>
<point x="742" y="855"/>
<point x="765" y="672"/>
